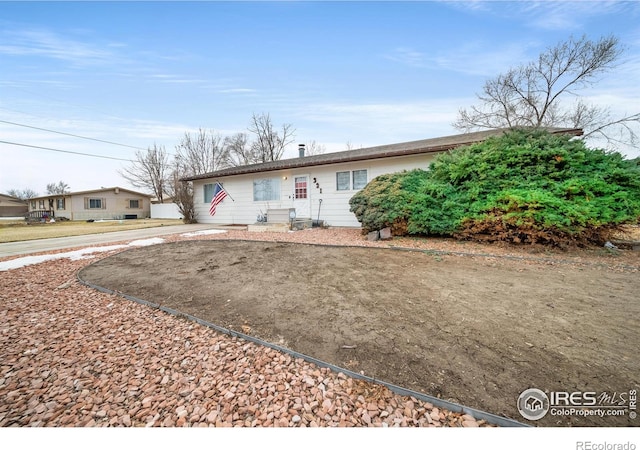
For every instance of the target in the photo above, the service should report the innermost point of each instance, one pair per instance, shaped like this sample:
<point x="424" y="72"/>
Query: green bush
<point x="524" y="186"/>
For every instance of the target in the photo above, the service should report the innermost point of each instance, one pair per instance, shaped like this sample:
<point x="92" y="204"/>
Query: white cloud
<point x="619" y="104"/>
<point x="52" y="45"/>
<point x="469" y="5"/>
<point x="548" y="15"/>
<point x="167" y="78"/>
<point x="408" y="56"/>
<point x="563" y="15"/>
<point x="436" y="111"/>
<point x="151" y="130"/>
<point x="482" y="59"/>
<point x="237" y="91"/>
<point x="39" y="167"/>
<point x="476" y="58"/>
<point x="370" y="124"/>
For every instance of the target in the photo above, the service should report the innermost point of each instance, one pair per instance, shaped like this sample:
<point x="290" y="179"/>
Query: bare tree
<point x="182" y="194"/>
<point x="57" y="188"/>
<point x="197" y="153"/>
<point x="206" y="151"/>
<point x="200" y="152"/>
<point x="149" y="171"/>
<point x="239" y="150"/>
<point x="313" y="148"/>
<point x="349" y="146"/>
<point x="269" y="144"/>
<point x="533" y="94"/>
<point x="22" y="194"/>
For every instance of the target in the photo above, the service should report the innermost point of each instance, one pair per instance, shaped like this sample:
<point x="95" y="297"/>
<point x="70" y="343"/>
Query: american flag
<point x="219" y="194"/>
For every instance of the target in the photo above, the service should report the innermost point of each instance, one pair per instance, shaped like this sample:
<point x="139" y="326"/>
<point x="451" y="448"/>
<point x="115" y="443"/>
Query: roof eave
<point x="68" y="194"/>
<point x="242" y="170"/>
<point x="295" y="163"/>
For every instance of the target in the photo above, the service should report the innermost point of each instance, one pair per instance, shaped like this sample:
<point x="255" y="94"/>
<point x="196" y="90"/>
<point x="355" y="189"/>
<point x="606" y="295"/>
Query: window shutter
<point x="86" y="203"/>
<point x="104" y="203"/>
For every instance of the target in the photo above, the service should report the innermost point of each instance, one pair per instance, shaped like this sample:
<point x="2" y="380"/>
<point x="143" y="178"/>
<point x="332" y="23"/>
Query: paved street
<point x="43" y="245"/>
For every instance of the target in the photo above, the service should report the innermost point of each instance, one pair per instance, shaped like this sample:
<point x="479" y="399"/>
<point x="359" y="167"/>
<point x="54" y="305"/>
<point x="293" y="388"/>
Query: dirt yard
<point x="470" y="329"/>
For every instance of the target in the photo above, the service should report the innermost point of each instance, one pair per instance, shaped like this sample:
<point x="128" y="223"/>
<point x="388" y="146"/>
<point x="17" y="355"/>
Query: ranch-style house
<point x="317" y="187"/>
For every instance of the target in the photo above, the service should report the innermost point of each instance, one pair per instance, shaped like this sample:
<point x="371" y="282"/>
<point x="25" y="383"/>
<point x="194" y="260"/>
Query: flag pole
<point x="221" y="187"/>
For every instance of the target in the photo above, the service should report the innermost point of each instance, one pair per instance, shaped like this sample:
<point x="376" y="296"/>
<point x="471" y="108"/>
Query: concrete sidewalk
<point x="44" y="245"/>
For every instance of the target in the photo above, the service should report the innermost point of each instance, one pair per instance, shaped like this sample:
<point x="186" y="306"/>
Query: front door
<point x="301" y="201"/>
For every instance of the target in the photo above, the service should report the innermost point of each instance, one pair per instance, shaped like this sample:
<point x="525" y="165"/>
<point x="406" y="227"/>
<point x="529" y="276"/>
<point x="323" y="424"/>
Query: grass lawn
<point x="21" y="231"/>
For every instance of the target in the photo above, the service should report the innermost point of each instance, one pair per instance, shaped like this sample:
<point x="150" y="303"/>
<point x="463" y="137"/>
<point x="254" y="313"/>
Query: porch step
<point x="274" y="227"/>
<point x="281" y="215"/>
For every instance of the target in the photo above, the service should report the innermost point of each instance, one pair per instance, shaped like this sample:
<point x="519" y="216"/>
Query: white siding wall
<point x="238" y="207"/>
<point x="334" y="209"/>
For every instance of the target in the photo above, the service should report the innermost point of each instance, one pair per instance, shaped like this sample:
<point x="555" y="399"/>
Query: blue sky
<point x="364" y="73"/>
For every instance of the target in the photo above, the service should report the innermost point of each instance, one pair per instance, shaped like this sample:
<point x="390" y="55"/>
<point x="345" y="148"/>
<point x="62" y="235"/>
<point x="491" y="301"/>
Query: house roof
<point x="433" y="145"/>
<point x="4" y="198"/>
<point x="93" y="191"/>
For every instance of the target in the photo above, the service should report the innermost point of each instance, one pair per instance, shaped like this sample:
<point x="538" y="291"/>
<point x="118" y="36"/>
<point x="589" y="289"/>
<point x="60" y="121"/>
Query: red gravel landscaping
<point x="73" y="356"/>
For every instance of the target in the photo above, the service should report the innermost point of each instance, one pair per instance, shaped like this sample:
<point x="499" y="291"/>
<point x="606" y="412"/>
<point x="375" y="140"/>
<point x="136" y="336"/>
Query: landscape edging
<point x="454" y="407"/>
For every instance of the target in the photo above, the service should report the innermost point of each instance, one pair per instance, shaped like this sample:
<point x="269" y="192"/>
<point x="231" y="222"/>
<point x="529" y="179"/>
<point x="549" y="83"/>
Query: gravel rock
<point x="74" y="356"/>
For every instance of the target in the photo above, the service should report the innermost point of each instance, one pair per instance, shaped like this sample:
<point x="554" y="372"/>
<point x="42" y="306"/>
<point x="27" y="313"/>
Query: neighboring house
<point x="104" y="203"/>
<point x="12" y="206"/>
<point x="318" y="187"/>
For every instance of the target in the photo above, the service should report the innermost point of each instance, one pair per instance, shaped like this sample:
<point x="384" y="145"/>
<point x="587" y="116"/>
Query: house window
<point x="95" y="203"/>
<point x="33" y="204"/>
<point x="209" y="189"/>
<point x="60" y="203"/>
<point x="342" y="181"/>
<point x="41" y="204"/>
<point x="347" y="180"/>
<point x="208" y="192"/>
<point x="134" y="204"/>
<point x="359" y="179"/>
<point x="266" y="189"/>
<point x="301" y="187"/>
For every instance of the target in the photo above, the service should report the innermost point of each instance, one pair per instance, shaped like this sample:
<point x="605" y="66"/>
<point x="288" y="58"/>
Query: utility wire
<point x="66" y="151"/>
<point x="72" y="135"/>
